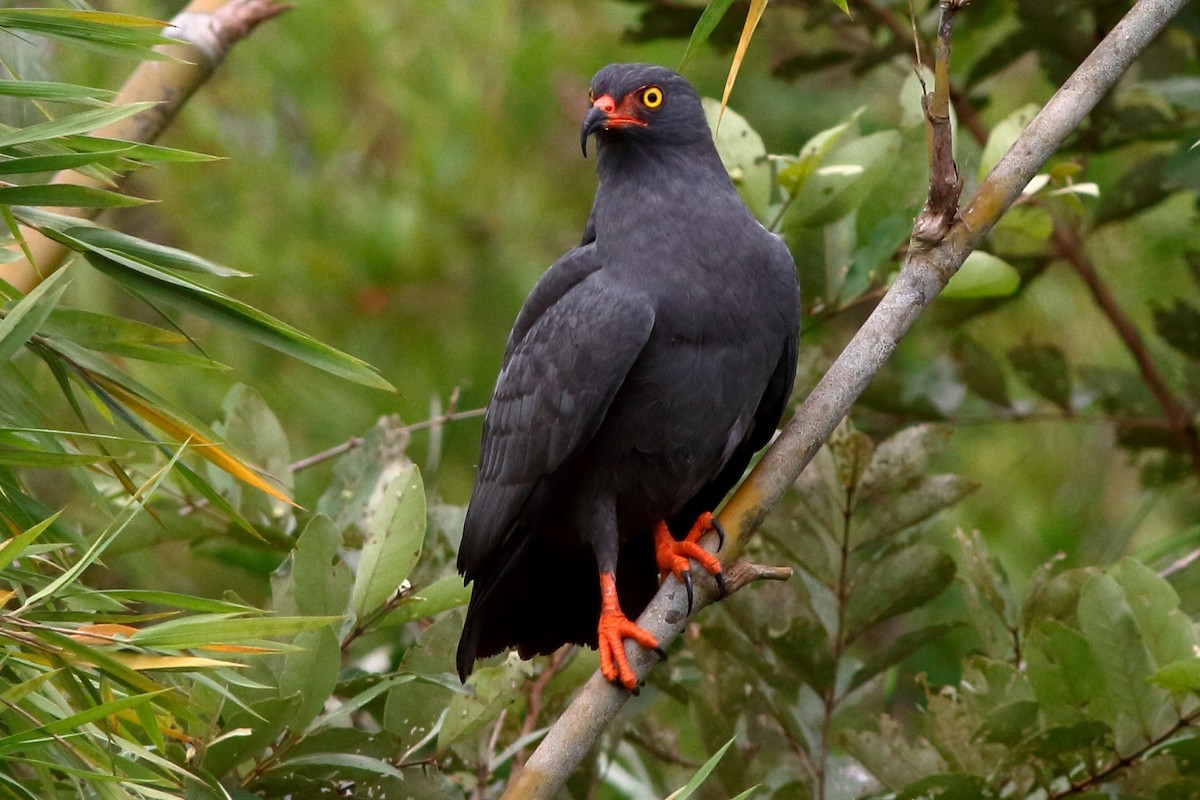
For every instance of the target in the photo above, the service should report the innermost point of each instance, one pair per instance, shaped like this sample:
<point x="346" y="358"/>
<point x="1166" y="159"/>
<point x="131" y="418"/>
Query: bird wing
<point x="573" y="345"/>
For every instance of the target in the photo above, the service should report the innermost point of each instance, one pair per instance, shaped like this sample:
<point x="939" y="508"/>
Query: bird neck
<point x="653" y="180"/>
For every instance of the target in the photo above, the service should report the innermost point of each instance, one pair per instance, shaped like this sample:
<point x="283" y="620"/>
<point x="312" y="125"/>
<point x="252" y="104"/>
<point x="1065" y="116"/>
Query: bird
<point x="644" y="370"/>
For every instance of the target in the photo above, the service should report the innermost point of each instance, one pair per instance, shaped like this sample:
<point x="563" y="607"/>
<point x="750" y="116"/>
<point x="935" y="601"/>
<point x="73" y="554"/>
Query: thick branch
<point x="206" y="30"/>
<point x="922" y="277"/>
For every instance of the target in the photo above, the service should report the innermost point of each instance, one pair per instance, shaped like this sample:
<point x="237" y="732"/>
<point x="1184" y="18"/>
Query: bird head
<point x="645" y="103"/>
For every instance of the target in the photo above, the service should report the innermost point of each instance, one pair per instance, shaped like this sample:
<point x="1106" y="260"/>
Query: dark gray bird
<point x="643" y="372"/>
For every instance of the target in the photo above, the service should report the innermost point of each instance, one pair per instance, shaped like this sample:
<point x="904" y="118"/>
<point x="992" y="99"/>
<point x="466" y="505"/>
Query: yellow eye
<point x="652" y="97"/>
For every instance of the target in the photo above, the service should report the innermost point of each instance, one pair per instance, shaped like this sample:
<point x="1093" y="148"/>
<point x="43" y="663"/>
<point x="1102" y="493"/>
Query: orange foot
<point x="672" y="556"/>
<point x="613" y="630"/>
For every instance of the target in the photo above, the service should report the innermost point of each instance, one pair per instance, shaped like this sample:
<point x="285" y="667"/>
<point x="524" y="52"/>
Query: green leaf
<point x="1143" y="711"/>
<point x="1180" y="676"/>
<point x="795" y="175"/>
<point x="895" y="583"/>
<point x="25" y="318"/>
<point x="983" y="275"/>
<point x="1179" y="326"/>
<point x="1044" y="369"/>
<point x="1063" y="672"/>
<point x="688" y="789"/>
<point x="395" y="534"/>
<point x="239" y="317"/>
<point x="208" y="629"/>
<point x="490" y="691"/>
<point x="351" y="761"/>
<point x="712" y="14"/>
<point x="44" y="459"/>
<point x="81" y="122"/>
<point x="12" y="548"/>
<point x="843" y="181"/>
<point x="981" y="372"/>
<point x="60" y="92"/>
<point x="103" y="240"/>
<point x="311" y="671"/>
<point x="902" y="459"/>
<point x="441" y="595"/>
<point x="318" y="570"/>
<point x="65" y="194"/>
<point x="76" y="721"/>
<point x="1002" y="136"/>
<point x="744" y="155"/>
<point x="133" y="505"/>
<point x="901" y="648"/>
<point x="1166" y="630"/>
<point x="113" y="34"/>
<point x="947" y="786"/>
<point x="1008" y="724"/>
<point x="890" y="755"/>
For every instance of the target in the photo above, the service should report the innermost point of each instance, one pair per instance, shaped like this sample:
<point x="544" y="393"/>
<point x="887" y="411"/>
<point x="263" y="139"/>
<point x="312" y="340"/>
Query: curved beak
<point x="597" y="118"/>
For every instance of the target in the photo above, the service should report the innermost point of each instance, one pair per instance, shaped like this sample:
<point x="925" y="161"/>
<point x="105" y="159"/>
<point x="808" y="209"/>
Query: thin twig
<point x="1069" y="245"/>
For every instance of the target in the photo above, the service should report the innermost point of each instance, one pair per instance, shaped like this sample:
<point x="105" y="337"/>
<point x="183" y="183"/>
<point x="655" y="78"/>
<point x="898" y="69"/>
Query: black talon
<point x="720" y="579"/>
<point x="635" y="691"/>
<point x="662" y="654"/>
<point x="687" y="582"/>
<point x="720" y="529"/>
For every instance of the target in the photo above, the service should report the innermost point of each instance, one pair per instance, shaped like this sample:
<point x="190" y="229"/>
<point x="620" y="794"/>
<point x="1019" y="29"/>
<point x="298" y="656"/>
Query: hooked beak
<point x="596" y="119"/>
<point x="605" y="114"/>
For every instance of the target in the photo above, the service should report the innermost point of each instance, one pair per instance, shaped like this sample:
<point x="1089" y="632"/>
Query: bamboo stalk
<point x="205" y="30"/>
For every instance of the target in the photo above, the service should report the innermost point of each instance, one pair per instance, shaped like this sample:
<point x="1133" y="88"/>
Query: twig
<point x="1068" y="245"/>
<point x="924" y="274"/>
<point x="1180" y="564"/>
<point x="206" y="30"/>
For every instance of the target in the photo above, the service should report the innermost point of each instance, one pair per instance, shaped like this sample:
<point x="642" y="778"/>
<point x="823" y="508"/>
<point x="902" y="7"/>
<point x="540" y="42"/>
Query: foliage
<point x="174" y="626"/>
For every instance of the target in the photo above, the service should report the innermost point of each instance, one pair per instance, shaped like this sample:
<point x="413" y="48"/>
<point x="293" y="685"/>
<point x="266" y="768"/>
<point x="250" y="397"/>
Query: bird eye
<point x="652" y="97"/>
<point x="591" y="96"/>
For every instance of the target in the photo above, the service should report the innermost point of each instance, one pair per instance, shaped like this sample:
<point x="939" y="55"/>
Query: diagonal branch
<point x="1070" y="246"/>
<point x="206" y="30"/>
<point x="925" y="272"/>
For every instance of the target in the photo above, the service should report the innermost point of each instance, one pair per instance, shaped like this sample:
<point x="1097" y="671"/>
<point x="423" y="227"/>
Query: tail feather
<point x="548" y="596"/>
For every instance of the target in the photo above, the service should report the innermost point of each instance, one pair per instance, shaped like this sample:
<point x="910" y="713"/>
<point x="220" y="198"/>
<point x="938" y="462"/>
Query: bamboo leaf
<point x="24" y="319"/>
<point x="51" y="90"/>
<point x="709" y="18"/>
<point x="241" y="318"/>
<point x="114" y="34"/>
<point x="753" y="15"/>
<point x="202" y="631"/>
<point x="206" y="448"/>
<point x="71" y="723"/>
<point x="80" y="122"/>
<point x="12" y="548"/>
<point x="67" y="195"/>
<point x="689" y="788"/>
<point x="132" y="506"/>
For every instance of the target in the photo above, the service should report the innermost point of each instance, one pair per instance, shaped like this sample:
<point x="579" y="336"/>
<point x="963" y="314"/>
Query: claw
<point x="720" y="579"/>
<point x="720" y="529"/>
<point x="687" y="584"/>
<point x="662" y="654"/>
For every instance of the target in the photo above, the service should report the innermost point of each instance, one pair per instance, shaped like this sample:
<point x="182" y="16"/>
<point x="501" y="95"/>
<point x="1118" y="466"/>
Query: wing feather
<point x="573" y="345"/>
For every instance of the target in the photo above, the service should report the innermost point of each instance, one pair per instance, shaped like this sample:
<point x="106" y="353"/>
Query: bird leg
<point x="672" y="556"/>
<point x="613" y="630"/>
